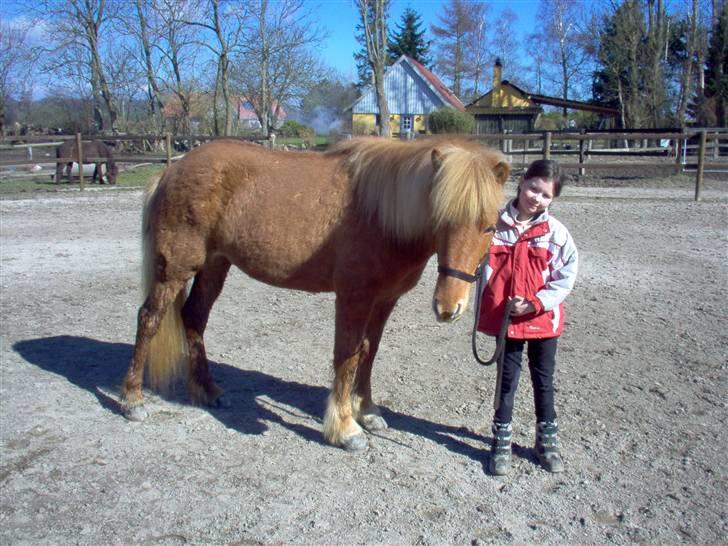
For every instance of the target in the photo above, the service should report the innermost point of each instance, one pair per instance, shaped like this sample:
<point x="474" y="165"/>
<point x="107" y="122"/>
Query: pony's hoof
<point x="358" y="442"/>
<point x="221" y="402"/>
<point x="136" y="413"/>
<point x="373" y="422"/>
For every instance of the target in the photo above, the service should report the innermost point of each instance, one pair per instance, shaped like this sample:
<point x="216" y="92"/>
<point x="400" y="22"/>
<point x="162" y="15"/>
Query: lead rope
<point x="500" y="341"/>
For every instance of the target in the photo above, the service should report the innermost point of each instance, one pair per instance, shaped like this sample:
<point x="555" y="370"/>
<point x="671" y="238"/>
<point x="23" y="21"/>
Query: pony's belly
<point x="277" y="267"/>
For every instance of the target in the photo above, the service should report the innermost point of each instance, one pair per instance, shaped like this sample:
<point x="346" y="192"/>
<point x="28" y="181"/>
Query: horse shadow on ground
<point x="256" y="398"/>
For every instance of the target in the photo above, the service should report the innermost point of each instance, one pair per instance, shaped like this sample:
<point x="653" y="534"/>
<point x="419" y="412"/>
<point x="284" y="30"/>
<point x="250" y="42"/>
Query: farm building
<point x="507" y="107"/>
<point x="201" y="108"/>
<point x="249" y="119"/>
<point x="413" y="92"/>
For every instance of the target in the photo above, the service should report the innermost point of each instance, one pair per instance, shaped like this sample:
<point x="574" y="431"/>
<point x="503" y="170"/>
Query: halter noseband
<point x="467" y="277"/>
<point x="450" y="272"/>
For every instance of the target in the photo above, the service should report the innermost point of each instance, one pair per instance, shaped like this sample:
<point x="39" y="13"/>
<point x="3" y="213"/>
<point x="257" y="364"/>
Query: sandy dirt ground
<point x="642" y="396"/>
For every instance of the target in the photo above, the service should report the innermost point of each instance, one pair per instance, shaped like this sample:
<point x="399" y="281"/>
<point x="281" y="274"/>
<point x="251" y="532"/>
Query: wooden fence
<point x="686" y="151"/>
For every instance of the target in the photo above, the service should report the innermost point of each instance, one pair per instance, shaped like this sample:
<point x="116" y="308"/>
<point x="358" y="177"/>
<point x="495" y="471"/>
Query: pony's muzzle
<point x="445" y="314"/>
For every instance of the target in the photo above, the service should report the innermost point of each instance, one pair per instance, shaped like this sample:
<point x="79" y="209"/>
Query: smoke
<point x="324" y="120"/>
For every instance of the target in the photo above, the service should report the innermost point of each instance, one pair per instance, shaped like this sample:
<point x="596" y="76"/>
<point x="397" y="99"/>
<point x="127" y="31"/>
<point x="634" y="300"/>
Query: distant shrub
<point x="449" y="120"/>
<point x="294" y="129"/>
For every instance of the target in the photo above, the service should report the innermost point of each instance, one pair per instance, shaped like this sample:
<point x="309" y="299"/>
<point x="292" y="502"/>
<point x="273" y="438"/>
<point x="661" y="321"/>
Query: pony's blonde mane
<point x="398" y="183"/>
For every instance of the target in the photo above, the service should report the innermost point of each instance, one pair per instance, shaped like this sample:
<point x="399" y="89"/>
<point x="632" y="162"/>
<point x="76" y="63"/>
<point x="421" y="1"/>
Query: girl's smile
<point x="535" y="195"/>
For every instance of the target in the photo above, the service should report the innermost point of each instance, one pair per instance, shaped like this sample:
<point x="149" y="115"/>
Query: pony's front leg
<point x="350" y="349"/>
<point x="365" y="411"/>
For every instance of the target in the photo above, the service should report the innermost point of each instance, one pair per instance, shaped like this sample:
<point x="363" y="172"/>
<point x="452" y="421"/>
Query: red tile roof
<point x="441" y="88"/>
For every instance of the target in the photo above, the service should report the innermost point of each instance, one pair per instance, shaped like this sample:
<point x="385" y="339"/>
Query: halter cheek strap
<point x="467" y="277"/>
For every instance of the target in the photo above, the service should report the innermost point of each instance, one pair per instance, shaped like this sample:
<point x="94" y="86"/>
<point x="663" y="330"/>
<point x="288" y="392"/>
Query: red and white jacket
<point x="539" y="264"/>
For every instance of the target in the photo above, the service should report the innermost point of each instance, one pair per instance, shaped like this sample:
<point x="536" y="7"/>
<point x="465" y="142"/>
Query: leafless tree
<point x="456" y="26"/>
<point x="477" y="50"/>
<point x="505" y="43"/>
<point x="561" y="21"/>
<point x="223" y="19"/>
<point x="79" y="40"/>
<point x="373" y="16"/>
<point x="13" y="54"/>
<point x="276" y="63"/>
<point x="143" y="28"/>
<point x="179" y="55"/>
<point x="538" y="57"/>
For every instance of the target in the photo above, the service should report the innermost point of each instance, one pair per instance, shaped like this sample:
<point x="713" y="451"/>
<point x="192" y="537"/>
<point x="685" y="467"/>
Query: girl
<point x="533" y="260"/>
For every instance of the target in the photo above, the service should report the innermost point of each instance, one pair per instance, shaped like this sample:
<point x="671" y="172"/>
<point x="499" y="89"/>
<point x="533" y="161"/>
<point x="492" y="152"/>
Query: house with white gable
<point x="413" y="92"/>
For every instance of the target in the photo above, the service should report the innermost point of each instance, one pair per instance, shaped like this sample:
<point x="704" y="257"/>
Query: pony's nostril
<point x="448" y="316"/>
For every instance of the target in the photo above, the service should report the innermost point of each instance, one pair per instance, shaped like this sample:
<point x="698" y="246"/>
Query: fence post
<point x="79" y="158"/>
<point x="547" y="145"/>
<point x="716" y="146"/>
<point x="679" y="143"/>
<point x="701" y="165"/>
<point x="582" y="171"/>
<point x="168" y="145"/>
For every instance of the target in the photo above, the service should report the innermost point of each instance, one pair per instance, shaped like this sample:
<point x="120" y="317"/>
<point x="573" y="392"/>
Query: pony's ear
<point x="436" y="157"/>
<point x="501" y="172"/>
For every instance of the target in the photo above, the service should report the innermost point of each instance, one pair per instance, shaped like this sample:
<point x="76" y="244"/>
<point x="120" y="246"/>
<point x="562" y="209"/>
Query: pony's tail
<point x="167" y="356"/>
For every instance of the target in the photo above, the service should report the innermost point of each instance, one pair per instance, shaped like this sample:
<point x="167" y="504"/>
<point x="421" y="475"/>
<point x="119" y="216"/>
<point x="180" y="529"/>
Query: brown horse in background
<point x="91" y="149"/>
<point x="361" y="220"/>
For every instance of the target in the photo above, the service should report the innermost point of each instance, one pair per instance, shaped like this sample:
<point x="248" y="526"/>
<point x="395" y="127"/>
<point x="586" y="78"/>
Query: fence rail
<point x="703" y="147"/>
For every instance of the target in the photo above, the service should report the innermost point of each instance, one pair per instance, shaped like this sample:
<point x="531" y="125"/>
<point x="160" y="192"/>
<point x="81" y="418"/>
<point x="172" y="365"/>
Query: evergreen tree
<point x="409" y="39"/>
<point x="363" y="70"/>
<point x="618" y="79"/>
<point x="716" y="72"/>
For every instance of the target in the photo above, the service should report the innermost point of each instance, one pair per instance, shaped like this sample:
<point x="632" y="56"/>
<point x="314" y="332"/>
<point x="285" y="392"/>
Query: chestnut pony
<point x="361" y="220"/>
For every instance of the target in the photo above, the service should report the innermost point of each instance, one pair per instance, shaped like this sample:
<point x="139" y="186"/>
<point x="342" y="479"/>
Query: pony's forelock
<point x="466" y="191"/>
<point x="397" y="183"/>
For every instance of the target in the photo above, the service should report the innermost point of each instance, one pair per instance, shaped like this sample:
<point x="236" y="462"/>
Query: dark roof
<point x="555" y="101"/>
<point x="574" y="104"/>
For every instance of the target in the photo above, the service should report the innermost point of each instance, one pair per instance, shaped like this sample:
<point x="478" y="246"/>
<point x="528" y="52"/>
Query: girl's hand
<point x="521" y="307"/>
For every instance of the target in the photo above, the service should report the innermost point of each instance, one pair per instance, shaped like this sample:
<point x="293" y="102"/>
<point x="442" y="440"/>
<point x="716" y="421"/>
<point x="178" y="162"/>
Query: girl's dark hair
<point x="546" y="168"/>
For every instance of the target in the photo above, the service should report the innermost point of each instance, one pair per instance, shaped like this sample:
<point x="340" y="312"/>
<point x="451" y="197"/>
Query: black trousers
<point x="541" y="364"/>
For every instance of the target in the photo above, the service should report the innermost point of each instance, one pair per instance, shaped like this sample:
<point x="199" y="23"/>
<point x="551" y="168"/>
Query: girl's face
<point x="535" y="196"/>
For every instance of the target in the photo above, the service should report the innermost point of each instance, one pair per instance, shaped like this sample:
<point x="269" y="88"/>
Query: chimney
<point x="497" y="73"/>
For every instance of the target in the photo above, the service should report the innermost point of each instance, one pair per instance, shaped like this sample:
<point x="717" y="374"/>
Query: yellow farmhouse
<point x="507" y="107"/>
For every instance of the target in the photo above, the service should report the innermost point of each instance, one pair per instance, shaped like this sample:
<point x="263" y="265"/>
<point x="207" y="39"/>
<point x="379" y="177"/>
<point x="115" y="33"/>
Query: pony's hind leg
<point x="365" y="411"/>
<point x="149" y="318"/>
<point x="208" y="284"/>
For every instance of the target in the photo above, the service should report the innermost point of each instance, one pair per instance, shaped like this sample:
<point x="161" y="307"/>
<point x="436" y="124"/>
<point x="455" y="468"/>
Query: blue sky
<point x="340" y="17"/>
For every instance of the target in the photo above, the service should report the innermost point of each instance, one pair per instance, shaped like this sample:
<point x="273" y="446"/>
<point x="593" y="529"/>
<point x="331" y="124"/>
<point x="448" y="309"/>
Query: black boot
<point x="547" y="446"/>
<point x="500" y="451"/>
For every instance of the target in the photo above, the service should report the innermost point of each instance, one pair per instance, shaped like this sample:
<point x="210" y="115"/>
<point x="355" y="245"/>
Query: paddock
<point x="641" y="381"/>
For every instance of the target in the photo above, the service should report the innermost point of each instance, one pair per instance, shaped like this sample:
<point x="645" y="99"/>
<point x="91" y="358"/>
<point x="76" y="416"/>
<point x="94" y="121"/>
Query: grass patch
<point x="320" y="141"/>
<point x="127" y="178"/>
